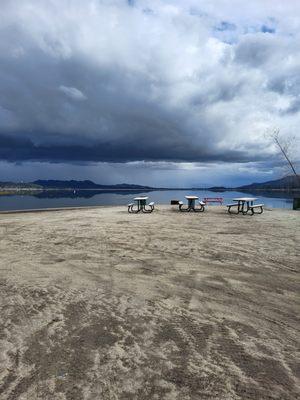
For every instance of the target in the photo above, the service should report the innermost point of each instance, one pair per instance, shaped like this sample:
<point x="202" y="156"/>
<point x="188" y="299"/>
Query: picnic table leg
<point x="240" y="208"/>
<point x="193" y="205"/>
<point x="132" y="210"/>
<point x="196" y="208"/>
<point x="182" y="209"/>
<point x="247" y="207"/>
<point x="144" y="210"/>
<point x="233" y="212"/>
<point x="201" y="209"/>
<point x="243" y="210"/>
<point x="140" y="206"/>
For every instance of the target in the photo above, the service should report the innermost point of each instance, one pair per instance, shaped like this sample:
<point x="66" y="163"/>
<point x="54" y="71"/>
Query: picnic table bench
<point x="254" y="206"/>
<point x="213" y="200"/>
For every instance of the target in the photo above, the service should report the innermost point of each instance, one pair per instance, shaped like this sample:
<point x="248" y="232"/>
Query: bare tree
<point x="284" y="145"/>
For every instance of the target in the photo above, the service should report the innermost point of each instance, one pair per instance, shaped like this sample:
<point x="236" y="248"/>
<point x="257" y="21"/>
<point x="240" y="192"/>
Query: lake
<point x="83" y="198"/>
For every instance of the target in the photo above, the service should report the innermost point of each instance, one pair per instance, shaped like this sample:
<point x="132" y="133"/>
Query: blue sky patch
<point x="226" y="26"/>
<point x="267" y="29"/>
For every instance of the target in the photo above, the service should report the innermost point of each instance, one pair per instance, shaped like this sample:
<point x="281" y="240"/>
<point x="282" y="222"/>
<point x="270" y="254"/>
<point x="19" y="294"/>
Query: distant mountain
<point x="290" y="182"/>
<point x="217" y="189"/>
<point x="71" y="184"/>
<point x="287" y="183"/>
<point x="129" y="186"/>
<point x="77" y="185"/>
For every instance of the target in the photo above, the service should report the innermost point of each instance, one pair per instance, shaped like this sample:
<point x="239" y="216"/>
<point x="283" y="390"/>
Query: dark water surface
<point x="55" y="199"/>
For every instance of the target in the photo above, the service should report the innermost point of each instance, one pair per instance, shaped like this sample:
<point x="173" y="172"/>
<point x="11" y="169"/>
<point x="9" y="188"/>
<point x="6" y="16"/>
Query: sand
<point x="100" y="304"/>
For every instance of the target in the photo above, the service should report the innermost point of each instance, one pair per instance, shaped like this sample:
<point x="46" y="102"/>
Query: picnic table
<point x="213" y="200"/>
<point x="244" y="205"/>
<point x="191" y="206"/>
<point x="141" y="205"/>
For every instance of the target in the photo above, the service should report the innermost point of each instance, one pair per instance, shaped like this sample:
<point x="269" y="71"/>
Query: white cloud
<point x="72" y="92"/>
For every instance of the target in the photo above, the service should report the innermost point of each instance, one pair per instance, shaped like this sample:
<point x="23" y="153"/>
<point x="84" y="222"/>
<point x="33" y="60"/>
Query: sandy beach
<point x="101" y="304"/>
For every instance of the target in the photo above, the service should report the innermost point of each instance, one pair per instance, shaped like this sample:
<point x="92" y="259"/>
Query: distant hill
<point x="19" y="185"/>
<point x="287" y="183"/>
<point x="290" y="182"/>
<point x="217" y="189"/>
<point x="86" y="184"/>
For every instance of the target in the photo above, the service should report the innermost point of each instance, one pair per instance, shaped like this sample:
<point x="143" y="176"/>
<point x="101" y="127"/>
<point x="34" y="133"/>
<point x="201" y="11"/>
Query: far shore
<point x="32" y="191"/>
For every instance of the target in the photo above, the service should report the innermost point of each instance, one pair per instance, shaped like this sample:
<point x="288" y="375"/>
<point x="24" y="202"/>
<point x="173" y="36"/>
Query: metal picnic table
<point x="191" y="206"/>
<point x="141" y="204"/>
<point x="191" y="201"/>
<point x="243" y="204"/>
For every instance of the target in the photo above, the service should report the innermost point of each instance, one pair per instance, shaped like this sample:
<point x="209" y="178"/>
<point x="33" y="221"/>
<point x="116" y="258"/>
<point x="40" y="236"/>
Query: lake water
<point x="55" y="199"/>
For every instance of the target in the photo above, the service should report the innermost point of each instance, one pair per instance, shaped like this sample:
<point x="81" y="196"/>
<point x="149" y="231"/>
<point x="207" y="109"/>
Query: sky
<point x="172" y="93"/>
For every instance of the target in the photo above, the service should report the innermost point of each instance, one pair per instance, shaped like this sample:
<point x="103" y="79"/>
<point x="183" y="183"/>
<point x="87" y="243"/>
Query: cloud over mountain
<point x="124" y="81"/>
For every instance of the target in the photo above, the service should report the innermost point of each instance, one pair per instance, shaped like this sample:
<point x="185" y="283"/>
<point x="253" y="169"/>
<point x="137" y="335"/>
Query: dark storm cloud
<point x="107" y="81"/>
<point x="256" y="49"/>
<point x="286" y="82"/>
<point x="19" y="149"/>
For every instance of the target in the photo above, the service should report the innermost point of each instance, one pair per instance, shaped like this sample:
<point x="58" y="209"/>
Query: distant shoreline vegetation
<point x="15" y="191"/>
<point x="286" y="184"/>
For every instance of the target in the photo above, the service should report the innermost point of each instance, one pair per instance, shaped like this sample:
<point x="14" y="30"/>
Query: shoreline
<point x="37" y="210"/>
<point x="124" y="207"/>
<point x="24" y="191"/>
